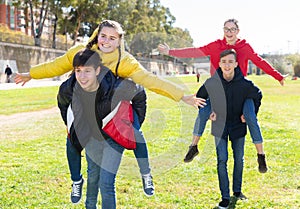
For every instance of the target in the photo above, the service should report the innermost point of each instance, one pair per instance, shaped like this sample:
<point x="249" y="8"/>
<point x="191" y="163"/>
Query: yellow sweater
<point x="129" y="67"/>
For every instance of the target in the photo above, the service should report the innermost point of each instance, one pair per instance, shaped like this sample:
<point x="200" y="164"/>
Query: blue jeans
<point x="74" y="161"/>
<point x="237" y="146"/>
<point x="249" y="114"/>
<point x="103" y="158"/>
<point x="251" y="120"/>
<point x="141" y="151"/>
<point x="141" y="154"/>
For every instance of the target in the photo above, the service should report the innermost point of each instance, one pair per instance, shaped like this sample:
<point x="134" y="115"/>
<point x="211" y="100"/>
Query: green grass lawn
<point x="34" y="171"/>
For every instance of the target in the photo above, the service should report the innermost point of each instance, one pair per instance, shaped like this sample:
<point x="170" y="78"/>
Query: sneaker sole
<point x="149" y="195"/>
<point x="190" y="160"/>
<point x="263" y="171"/>
<point x="75" y="203"/>
<point x="220" y="207"/>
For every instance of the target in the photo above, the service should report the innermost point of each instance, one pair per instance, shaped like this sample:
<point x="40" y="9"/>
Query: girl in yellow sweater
<point x="108" y="41"/>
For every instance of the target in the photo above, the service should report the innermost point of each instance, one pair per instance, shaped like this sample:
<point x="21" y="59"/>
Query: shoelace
<point x="148" y="182"/>
<point x="76" y="190"/>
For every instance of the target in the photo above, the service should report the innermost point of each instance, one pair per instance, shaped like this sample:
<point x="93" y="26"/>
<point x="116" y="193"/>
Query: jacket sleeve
<point x="148" y="80"/>
<point x="255" y="94"/>
<point x="139" y="103"/>
<point x="56" y="67"/>
<point x="64" y="97"/>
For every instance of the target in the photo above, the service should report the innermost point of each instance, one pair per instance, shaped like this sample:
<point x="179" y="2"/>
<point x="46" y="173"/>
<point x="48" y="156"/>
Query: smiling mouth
<point x="105" y="46"/>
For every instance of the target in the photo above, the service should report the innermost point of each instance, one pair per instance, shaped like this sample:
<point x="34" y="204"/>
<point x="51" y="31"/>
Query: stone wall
<point x="22" y="57"/>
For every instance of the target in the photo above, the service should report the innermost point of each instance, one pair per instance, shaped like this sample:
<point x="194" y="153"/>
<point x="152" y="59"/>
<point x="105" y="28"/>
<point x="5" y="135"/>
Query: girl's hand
<point x="22" y="78"/>
<point x="194" y="101"/>
<point x="163" y="48"/>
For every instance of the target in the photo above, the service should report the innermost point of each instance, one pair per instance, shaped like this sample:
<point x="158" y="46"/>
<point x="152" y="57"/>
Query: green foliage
<point x="34" y="171"/>
<point x="140" y="19"/>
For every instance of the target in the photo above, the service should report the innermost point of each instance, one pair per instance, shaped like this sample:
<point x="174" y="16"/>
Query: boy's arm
<point x="202" y="92"/>
<point x="255" y="94"/>
<point x="64" y="97"/>
<point x="139" y="103"/>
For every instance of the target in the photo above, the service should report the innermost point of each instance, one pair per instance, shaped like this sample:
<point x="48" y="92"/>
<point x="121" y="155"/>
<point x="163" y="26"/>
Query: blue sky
<point x="270" y="26"/>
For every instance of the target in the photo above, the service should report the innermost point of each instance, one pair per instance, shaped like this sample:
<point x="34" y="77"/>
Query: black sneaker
<point x="239" y="195"/>
<point x="76" y="191"/>
<point x="223" y="204"/>
<point x="262" y="165"/>
<point x="193" y="152"/>
<point x="148" y="185"/>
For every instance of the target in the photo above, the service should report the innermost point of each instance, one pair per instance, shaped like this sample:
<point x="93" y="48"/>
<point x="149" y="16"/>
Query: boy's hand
<point x="243" y="119"/>
<point x="213" y="116"/>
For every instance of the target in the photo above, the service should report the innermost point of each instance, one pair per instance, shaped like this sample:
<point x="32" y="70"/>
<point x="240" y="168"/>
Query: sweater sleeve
<point x="139" y="103"/>
<point x="56" y="67"/>
<point x="191" y="52"/>
<point x="130" y="67"/>
<point x="264" y="65"/>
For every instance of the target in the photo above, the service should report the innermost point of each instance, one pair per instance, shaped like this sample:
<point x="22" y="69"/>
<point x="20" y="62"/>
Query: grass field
<point x="34" y="171"/>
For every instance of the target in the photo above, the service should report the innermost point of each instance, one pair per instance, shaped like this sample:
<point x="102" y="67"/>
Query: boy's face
<point x="227" y="65"/>
<point x="86" y="76"/>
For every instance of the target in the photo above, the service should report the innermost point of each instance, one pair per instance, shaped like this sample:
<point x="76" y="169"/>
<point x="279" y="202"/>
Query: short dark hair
<point x="87" y="57"/>
<point x="227" y="52"/>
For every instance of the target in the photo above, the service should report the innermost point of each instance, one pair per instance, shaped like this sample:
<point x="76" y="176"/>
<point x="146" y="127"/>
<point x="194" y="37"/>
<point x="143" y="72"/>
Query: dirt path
<point x="20" y="125"/>
<point x="10" y="120"/>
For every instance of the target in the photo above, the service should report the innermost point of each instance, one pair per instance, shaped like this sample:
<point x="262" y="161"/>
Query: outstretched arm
<point x="282" y="80"/>
<point x="163" y="48"/>
<point x="194" y="101"/>
<point x="22" y="78"/>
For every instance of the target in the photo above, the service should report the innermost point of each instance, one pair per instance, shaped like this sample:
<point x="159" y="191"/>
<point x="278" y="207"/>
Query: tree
<point x="38" y="10"/>
<point x="82" y="14"/>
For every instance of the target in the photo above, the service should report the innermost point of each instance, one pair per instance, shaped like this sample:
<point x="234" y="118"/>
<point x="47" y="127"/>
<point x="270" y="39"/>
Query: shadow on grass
<point x="232" y="203"/>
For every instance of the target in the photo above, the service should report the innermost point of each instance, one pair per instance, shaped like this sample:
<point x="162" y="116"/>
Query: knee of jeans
<point x="239" y="159"/>
<point x="90" y="205"/>
<point x="222" y="160"/>
<point x="93" y="173"/>
<point x="107" y="188"/>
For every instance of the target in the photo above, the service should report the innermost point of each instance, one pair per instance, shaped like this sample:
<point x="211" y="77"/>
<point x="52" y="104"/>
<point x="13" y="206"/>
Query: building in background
<point x="15" y="19"/>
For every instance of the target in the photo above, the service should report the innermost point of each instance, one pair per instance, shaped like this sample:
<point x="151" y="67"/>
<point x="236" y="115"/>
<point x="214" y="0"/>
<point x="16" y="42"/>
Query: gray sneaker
<point x="193" y="152"/>
<point x="76" y="193"/>
<point x="239" y="195"/>
<point x="148" y="185"/>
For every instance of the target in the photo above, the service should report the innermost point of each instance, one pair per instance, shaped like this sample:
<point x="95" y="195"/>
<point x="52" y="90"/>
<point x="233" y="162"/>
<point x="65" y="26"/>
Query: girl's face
<point x="230" y="32"/>
<point x="86" y="76"/>
<point x="108" y="39"/>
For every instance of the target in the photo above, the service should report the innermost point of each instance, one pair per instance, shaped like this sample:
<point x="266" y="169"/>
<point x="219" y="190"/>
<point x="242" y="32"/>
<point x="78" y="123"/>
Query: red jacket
<point x="244" y="54"/>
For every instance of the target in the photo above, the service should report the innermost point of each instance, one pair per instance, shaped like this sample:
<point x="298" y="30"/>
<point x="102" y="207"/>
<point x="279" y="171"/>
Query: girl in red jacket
<point x="244" y="54"/>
